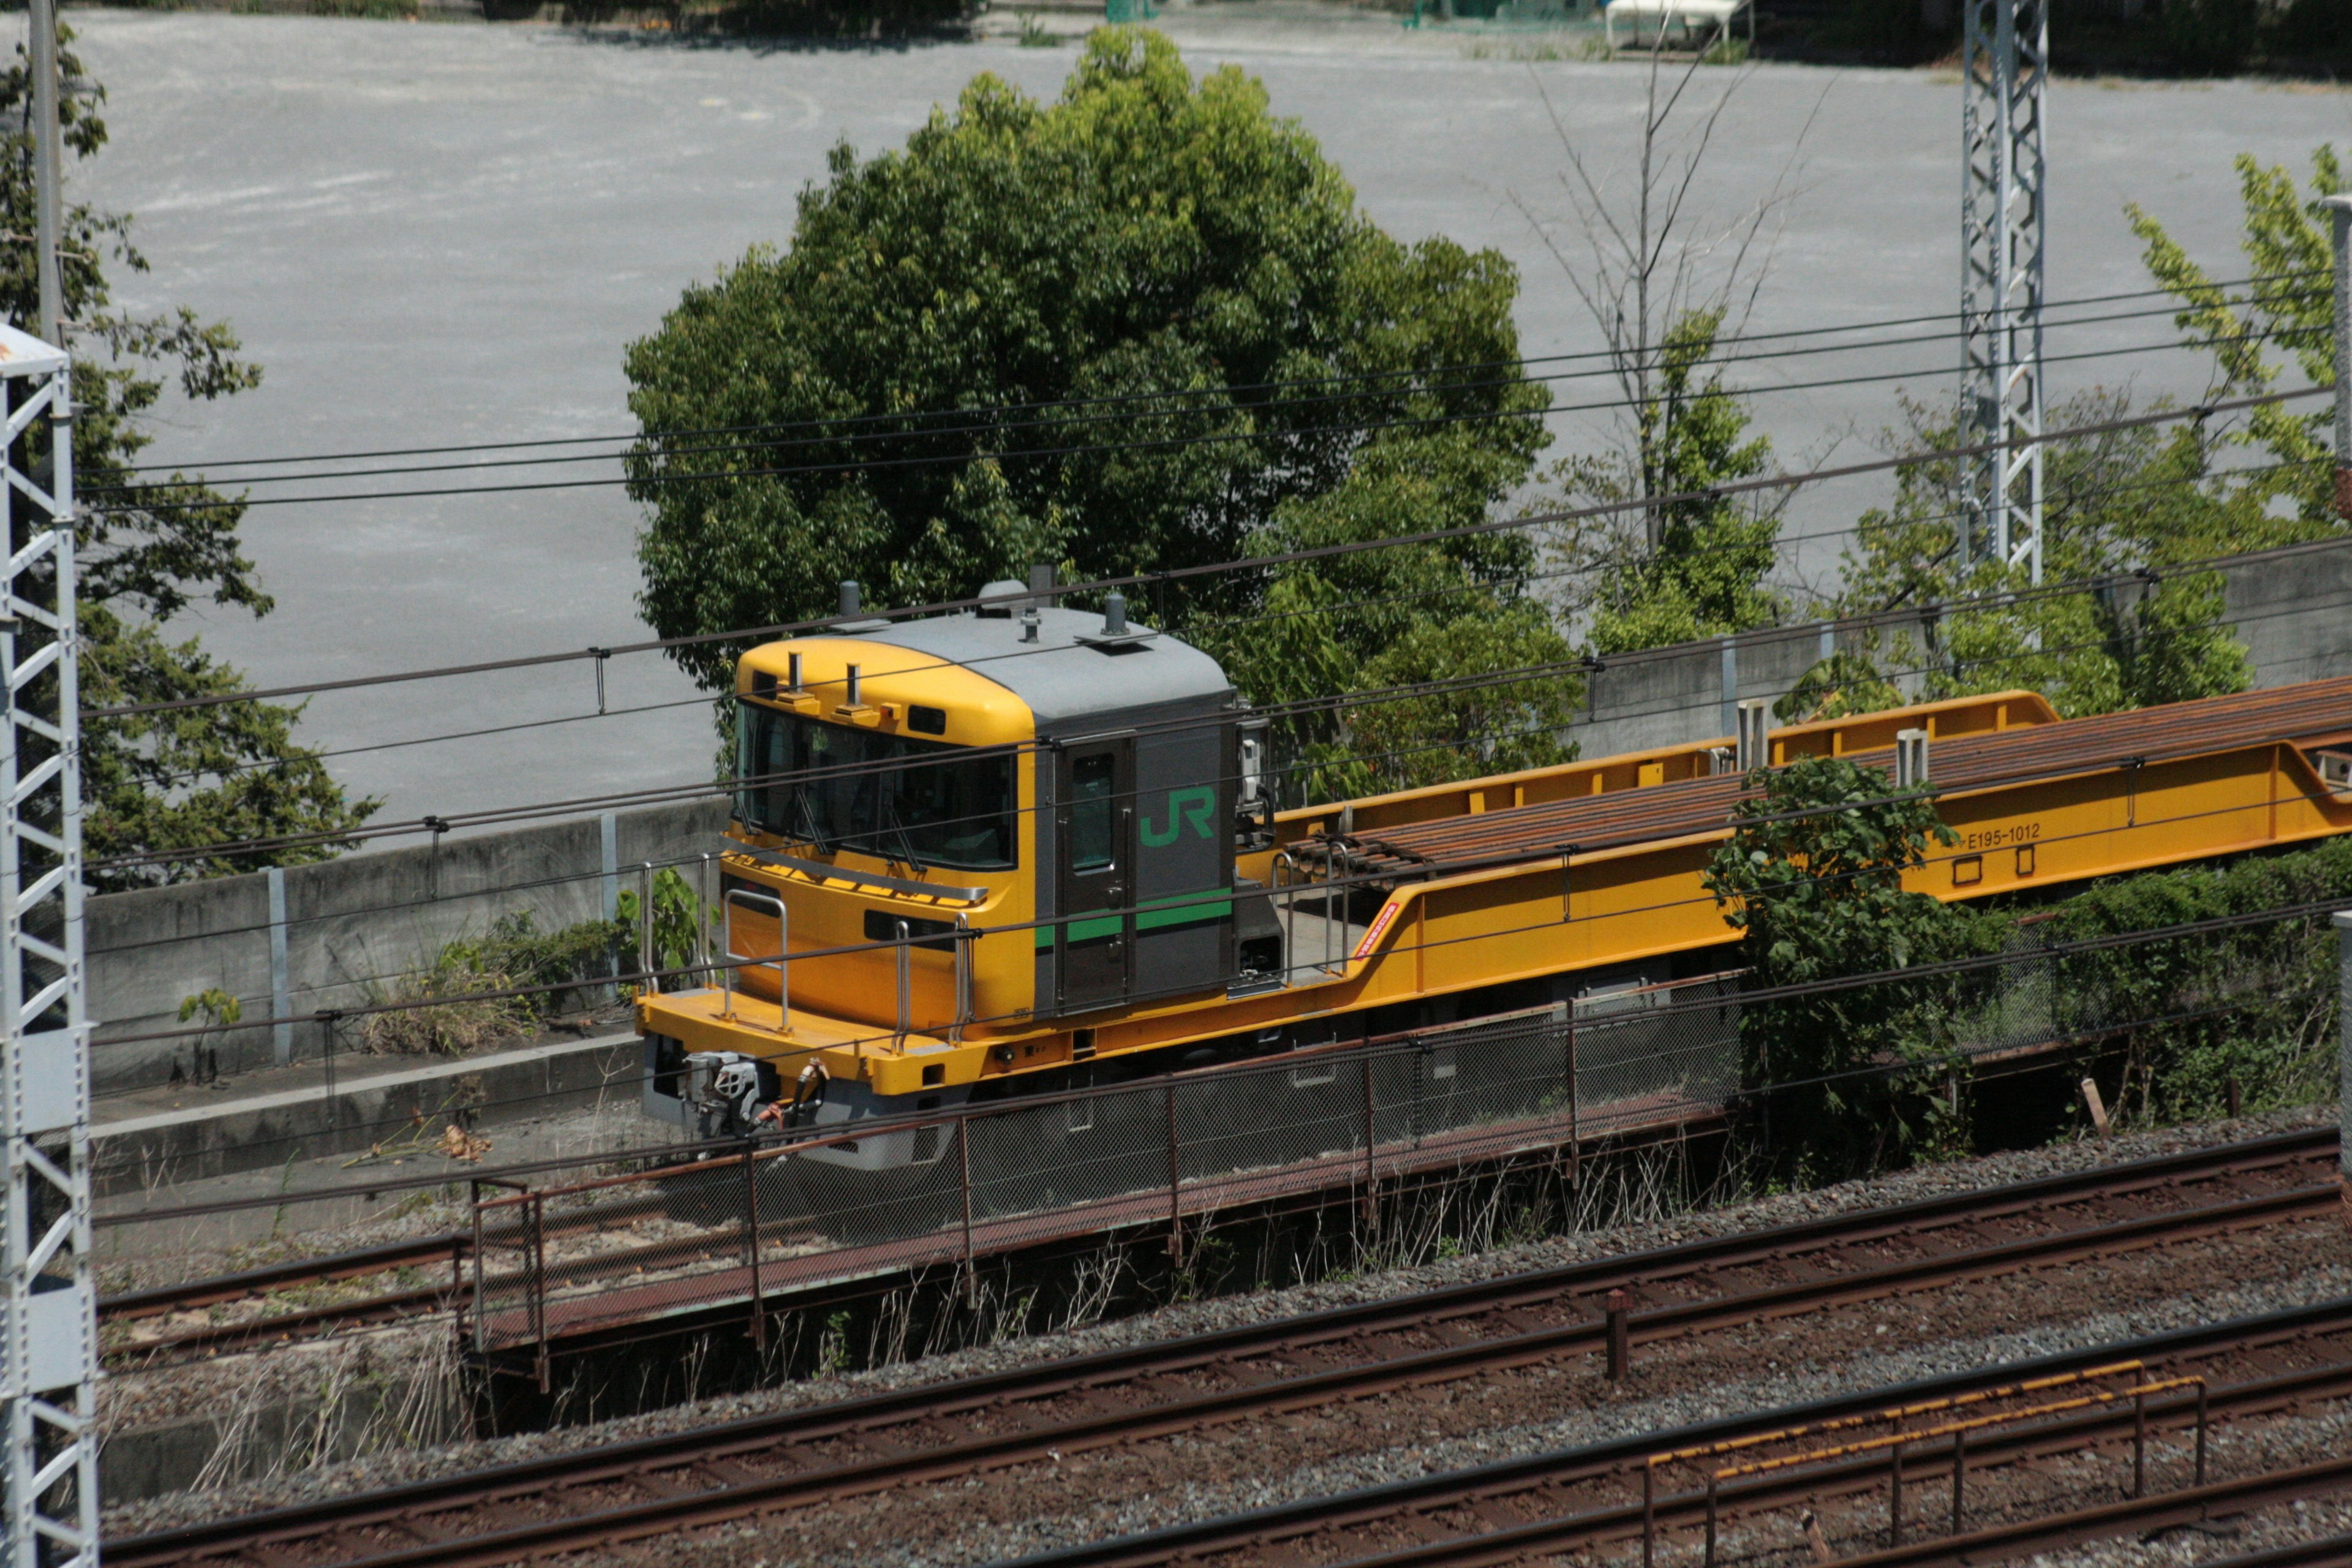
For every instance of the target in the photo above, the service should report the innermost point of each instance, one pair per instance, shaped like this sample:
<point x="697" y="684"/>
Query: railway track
<point x="2326" y="1551"/>
<point x="261" y="1284"/>
<point x="2142" y="1516"/>
<point x="798" y="1458"/>
<point x="1527" y="1507"/>
<point x="1480" y="1525"/>
<point x="453" y="1249"/>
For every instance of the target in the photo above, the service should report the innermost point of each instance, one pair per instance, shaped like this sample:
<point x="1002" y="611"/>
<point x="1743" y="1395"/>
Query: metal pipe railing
<point x="706" y="951"/>
<point x="748" y="898"/>
<point x="1283" y="861"/>
<point x="904" y="954"/>
<point x="1333" y="903"/>
<point x="646" y="962"/>
<point x="1330" y="875"/>
<point x="963" y="963"/>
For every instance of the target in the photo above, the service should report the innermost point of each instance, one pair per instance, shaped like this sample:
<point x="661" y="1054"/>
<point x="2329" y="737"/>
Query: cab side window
<point x="1093" y="781"/>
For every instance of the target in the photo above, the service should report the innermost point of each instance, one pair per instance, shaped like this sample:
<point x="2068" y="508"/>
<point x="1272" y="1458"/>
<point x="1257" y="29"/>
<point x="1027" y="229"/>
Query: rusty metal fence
<point x="737" y="1223"/>
<point x="727" y="1226"/>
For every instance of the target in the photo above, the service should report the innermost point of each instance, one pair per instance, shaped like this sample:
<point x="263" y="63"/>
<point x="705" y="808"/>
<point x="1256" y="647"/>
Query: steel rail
<point x="1989" y="1450"/>
<point x="2326" y="1551"/>
<point x="1203" y="1538"/>
<point x="408" y="1507"/>
<point x="383" y="1307"/>
<point x="215" y="1290"/>
<point x="215" y="1339"/>
<point x="2161" y="1511"/>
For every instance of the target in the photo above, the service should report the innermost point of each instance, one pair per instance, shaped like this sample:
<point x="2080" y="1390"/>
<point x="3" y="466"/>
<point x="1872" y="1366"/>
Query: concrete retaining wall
<point x="340" y="933"/>
<point x="381" y="1098"/>
<point x="2291" y="608"/>
<point x="386" y="1410"/>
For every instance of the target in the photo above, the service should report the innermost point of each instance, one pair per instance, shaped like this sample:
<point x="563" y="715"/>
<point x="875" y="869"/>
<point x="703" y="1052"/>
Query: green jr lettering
<point x="1195" y="805"/>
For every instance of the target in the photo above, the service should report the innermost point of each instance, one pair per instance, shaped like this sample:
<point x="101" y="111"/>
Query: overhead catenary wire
<point x="1299" y="706"/>
<point x="787" y="1139"/>
<point x="1125" y="447"/>
<point x="996" y="428"/>
<point x="790" y="1141"/>
<point x="1422" y="944"/>
<point x="1223" y="624"/>
<point x="1250" y="563"/>
<point x="1507" y="678"/>
<point x="1326" y="702"/>
<point x="1613" y="358"/>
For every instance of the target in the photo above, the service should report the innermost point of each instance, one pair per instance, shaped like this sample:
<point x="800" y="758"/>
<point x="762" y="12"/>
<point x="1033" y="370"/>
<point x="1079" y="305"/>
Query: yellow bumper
<point x="891" y="1064"/>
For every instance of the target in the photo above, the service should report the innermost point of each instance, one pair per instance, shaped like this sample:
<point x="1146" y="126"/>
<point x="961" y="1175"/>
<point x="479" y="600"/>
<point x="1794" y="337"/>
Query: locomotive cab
<point x="960" y="845"/>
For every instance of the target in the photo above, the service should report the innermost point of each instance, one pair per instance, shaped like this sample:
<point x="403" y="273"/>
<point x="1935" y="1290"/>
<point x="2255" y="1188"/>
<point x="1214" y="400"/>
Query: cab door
<point x="1094" y="823"/>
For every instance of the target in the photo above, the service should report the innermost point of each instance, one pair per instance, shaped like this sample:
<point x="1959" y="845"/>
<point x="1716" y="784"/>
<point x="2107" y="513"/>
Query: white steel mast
<point x="49" y="1319"/>
<point x="2004" y="59"/>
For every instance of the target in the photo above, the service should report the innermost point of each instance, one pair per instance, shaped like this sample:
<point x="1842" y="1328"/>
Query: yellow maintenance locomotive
<point x="1029" y="848"/>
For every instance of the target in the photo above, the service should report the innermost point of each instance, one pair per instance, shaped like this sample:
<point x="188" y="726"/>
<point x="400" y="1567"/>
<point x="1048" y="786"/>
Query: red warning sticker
<point x="1379" y="928"/>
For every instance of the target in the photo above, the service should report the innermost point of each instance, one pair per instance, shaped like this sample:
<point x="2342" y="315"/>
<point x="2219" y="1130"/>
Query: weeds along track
<point x="283" y="1303"/>
<point x="810" y="1455"/>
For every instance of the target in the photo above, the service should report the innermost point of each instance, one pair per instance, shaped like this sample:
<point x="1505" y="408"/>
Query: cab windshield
<point x="921" y="803"/>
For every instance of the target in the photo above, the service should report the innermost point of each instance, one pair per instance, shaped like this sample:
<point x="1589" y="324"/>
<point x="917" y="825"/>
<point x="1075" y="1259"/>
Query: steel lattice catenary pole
<point x="48" y="1354"/>
<point x="2004" y="55"/>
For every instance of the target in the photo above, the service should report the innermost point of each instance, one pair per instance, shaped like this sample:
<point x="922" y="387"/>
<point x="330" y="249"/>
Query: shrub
<point x="513" y="955"/>
<point x="1811" y="875"/>
<point x="2257" y="1005"/>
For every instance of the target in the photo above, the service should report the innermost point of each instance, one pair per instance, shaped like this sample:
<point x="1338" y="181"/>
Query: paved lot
<point x="441" y="233"/>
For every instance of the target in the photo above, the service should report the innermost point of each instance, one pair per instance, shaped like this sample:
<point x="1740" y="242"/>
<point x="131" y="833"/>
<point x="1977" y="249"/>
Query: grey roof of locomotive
<point x="1066" y="681"/>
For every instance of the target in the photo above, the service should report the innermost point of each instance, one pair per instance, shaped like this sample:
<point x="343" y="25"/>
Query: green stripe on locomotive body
<point x="1160" y="917"/>
<point x="1161" y="914"/>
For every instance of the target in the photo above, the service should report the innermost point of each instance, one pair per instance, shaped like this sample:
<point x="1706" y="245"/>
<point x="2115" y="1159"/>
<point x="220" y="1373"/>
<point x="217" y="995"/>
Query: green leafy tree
<point x="2142" y="504"/>
<point x="1812" y="877"/>
<point x="148" y="546"/>
<point x="1674" y="571"/>
<point x="2137" y="507"/>
<point x="1848" y="681"/>
<point x="680" y="919"/>
<point x="1120" y="331"/>
<point x="2287" y="303"/>
<point x="1408" y="636"/>
<point x="1663" y="280"/>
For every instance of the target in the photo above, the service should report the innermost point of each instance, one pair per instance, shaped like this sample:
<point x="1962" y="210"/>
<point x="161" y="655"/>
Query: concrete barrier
<point x="374" y="1099"/>
<point x="342" y="933"/>
<point x="2291" y="609"/>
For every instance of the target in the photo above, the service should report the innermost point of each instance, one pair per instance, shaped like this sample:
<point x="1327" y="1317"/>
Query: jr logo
<point x="1195" y="805"/>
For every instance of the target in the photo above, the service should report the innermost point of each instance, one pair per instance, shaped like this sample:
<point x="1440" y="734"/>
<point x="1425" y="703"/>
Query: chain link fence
<point x="714" y="1226"/>
<point x="735" y="1225"/>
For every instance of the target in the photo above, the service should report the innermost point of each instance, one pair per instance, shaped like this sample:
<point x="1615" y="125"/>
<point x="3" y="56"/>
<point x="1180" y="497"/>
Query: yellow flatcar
<point x="1030" y="846"/>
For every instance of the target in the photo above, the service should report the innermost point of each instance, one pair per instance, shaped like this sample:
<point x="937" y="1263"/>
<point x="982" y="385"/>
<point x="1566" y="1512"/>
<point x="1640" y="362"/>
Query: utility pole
<point x="2339" y="211"/>
<point x="48" y="1300"/>
<point x="45" y="170"/>
<point x="2004" y="55"/>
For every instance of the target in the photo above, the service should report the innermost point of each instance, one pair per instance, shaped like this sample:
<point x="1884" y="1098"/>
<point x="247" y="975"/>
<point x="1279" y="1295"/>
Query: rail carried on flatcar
<point x="1030" y="847"/>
